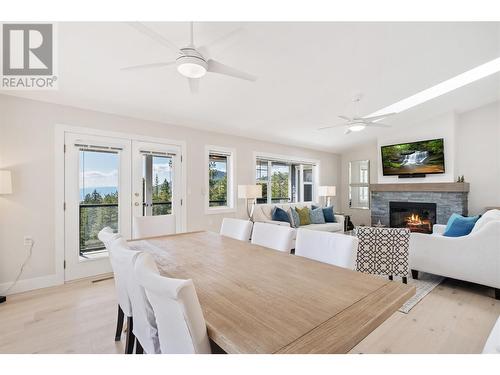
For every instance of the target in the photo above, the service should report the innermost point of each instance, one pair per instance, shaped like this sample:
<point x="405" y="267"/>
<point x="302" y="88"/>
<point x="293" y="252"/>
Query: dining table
<point x="258" y="300"/>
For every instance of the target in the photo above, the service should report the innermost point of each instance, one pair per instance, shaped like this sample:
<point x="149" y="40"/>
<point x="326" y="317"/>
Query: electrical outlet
<point x="28" y="240"/>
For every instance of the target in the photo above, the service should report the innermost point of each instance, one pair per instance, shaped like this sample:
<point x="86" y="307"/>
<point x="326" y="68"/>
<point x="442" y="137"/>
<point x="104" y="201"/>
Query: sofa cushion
<point x="304" y="215"/>
<point x="327" y="227"/>
<point x="327" y="213"/>
<point x="317" y="216"/>
<point x="459" y="225"/>
<point x="491" y="215"/>
<point x="294" y="218"/>
<point x="279" y="214"/>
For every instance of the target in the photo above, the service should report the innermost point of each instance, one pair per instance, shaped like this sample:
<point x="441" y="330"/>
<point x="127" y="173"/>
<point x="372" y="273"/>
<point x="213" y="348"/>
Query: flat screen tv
<point x="415" y="158"/>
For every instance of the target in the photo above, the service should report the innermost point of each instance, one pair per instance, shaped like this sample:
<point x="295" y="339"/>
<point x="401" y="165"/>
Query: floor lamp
<point x="327" y="192"/>
<point x="250" y="193"/>
<point x="5" y="188"/>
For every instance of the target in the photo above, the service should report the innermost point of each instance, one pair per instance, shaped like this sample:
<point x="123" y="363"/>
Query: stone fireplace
<point x="416" y="216"/>
<point x="430" y="203"/>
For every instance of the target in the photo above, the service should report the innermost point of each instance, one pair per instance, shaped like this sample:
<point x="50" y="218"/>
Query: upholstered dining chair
<point x="107" y="237"/>
<point x="383" y="251"/>
<point x="276" y="237"/>
<point x="153" y="226"/>
<point x="181" y="325"/>
<point x="236" y="228"/>
<point x="332" y="248"/>
<point x="144" y="323"/>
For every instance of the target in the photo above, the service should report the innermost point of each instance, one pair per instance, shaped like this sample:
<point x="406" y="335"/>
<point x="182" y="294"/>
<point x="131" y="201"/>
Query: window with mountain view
<point x="219" y="179"/>
<point x="98" y="196"/>
<point x="284" y="181"/>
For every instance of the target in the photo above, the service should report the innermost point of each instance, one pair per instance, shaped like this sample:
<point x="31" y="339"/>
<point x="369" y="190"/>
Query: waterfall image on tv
<point x="424" y="157"/>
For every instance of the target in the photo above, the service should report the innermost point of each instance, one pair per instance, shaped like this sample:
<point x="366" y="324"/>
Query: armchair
<point x="474" y="258"/>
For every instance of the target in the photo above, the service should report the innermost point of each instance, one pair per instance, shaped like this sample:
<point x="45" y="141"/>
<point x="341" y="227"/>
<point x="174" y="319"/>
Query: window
<point x="284" y="181"/>
<point x="219" y="179"/>
<point x="359" y="184"/>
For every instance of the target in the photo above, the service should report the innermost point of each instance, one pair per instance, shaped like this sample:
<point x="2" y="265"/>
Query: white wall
<point x="439" y="127"/>
<point x="27" y="148"/>
<point x="478" y="155"/>
<point x="472" y="149"/>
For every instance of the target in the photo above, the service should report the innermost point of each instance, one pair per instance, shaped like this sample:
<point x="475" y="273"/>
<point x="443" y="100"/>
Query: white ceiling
<point x="308" y="73"/>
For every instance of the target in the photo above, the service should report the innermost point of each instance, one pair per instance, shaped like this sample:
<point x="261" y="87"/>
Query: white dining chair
<point x="107" y="237"/>
<point x="153" y="226"/>
<point x="327" y="247"/>
<point x="236" y="228"/>
<point x="181" y="325"/>
<point x="276" y="237"/>
<point x="144" y="322"/>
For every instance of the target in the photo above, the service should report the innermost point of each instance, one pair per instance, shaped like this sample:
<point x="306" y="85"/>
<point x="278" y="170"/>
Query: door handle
<point x="136" y="203"/>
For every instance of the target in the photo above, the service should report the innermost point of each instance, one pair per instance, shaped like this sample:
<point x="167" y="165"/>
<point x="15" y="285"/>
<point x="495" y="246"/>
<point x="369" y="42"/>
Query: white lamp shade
<point x="327" y="191"/>
<point x="249" y="191"/>
<point x="5" y="182"/>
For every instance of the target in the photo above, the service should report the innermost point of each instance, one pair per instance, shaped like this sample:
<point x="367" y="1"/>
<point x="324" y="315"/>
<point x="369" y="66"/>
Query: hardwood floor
<point x="80" y="317"/>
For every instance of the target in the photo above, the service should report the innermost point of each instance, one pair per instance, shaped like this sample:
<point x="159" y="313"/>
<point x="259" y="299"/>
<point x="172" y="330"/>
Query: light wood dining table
<point x="258" y="300"/>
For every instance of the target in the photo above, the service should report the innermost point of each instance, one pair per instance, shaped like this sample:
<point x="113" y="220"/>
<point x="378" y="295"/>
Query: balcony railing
<point x="94" y="217"/>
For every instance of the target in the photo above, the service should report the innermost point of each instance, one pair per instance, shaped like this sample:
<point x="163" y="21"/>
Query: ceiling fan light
<point x="191" y="70"/>
<point x="356" y="127"/>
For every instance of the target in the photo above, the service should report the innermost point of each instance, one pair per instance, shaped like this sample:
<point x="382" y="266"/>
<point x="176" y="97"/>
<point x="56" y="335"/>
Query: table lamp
<point x="327" y="192"/>
<point x="250" y="193"/>
<point x="5" y="188"/>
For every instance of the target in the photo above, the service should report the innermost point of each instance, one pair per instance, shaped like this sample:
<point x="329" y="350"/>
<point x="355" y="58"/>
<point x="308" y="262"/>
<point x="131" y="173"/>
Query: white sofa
<point x="492" y="345"/>
<point x="474" y="258"/>
<point x="263" y="213"/>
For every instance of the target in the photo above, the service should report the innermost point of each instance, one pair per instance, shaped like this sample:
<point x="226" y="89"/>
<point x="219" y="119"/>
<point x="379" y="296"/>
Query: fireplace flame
<point x="414" y="219"/>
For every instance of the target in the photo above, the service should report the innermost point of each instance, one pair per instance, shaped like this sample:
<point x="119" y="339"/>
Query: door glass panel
<point x="157" y="188"/>
<point x="98" y="197"/>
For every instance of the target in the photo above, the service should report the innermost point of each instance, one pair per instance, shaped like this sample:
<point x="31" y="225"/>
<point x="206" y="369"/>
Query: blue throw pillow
<point x="317" y="216"/>
<point x="327" y="213"/>
<point x="280" y="215"/>
<point x="459" y="225"/>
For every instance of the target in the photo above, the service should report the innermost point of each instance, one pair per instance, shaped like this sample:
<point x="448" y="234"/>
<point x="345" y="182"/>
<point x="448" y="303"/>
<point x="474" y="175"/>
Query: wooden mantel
<point x="450" y="187"/>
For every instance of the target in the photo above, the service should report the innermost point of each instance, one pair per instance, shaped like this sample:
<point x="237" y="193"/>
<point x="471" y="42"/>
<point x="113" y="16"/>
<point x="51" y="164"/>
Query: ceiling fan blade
<point x="216" y="42"/>
<point x="345" y="118"/>
<point x="379" y="117"/>
<point x="378" y="125"/>
<point x="217" y="67"/>
<point x="194" y="85"/>
<point x="145" y="66"/>
<point x="347" y="131"/>
<point x="154" y="35"/>
<point x="331" y="126"/>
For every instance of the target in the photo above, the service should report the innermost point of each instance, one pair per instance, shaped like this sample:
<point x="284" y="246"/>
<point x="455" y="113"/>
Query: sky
<point x="100" y="169"/>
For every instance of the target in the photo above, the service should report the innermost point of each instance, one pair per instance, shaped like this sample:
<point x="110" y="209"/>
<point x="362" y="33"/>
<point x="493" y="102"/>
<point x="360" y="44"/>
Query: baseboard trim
<point x="26" y="285"/>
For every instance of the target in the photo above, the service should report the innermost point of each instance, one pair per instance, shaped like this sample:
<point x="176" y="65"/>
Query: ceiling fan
<point x="357" y="123"/>
<point x="192" y="62"/>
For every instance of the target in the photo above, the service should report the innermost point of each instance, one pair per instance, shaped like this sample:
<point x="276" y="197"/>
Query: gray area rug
<point x="425" y="284"/>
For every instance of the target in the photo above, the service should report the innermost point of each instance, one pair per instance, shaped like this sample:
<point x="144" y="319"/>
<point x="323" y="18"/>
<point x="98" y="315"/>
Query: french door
<point x="157" y="180"/>
<point x="107" y="181"/>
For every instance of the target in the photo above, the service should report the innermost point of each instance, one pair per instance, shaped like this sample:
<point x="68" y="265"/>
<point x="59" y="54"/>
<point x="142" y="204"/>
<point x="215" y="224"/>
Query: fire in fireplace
<point x="416" y="216"/>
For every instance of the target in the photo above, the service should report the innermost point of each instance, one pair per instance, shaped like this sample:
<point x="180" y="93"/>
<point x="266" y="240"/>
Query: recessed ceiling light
<point x="475" y="74"/>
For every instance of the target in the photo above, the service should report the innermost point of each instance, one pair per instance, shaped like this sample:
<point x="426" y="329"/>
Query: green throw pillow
<point x="304" y="215"/>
